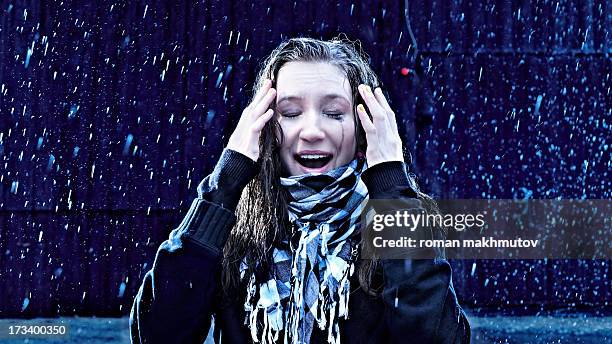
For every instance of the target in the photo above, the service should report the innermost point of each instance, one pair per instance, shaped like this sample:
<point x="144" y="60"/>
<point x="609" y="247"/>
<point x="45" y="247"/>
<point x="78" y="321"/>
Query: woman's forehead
<point x="303" y="80"/>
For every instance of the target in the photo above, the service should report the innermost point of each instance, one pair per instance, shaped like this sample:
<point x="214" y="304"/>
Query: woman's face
<point x="314" y="108"/>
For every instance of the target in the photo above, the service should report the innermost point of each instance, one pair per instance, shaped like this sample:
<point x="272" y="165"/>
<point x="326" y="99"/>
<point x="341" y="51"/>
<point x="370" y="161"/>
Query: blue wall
<point x="110" y="115"/>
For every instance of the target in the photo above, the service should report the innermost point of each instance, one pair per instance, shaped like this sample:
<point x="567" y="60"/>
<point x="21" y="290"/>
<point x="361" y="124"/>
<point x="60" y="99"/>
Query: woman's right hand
<point x="245" y="138"/>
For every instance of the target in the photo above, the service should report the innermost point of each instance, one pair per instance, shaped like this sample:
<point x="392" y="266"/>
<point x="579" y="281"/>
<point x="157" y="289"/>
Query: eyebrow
<point x="331" y="96"/>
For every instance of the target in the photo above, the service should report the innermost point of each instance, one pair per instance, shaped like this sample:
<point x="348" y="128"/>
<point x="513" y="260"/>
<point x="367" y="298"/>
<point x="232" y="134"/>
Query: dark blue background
<point x="111" y="113"/>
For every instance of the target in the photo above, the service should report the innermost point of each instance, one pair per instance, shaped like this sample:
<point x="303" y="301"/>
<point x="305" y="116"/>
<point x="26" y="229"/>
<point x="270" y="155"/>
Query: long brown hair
<point x="262" y="219"/>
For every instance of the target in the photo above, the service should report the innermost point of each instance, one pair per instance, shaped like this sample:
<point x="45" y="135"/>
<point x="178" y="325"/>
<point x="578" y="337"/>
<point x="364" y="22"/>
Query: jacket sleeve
<point x="176" y="299"/>
<point x="420" y="302"/>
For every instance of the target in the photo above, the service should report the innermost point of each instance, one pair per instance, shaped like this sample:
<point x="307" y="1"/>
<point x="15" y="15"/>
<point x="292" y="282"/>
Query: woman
<point x="270" y="248"/>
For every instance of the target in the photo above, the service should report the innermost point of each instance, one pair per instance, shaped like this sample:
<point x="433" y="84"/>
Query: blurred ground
<point x="79" y="330"/>
<point x="575" y="329"/>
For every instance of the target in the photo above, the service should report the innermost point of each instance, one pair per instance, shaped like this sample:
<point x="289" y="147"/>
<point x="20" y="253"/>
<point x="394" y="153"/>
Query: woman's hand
<point x="245" y="138"/>
<point x="384" y="142"/>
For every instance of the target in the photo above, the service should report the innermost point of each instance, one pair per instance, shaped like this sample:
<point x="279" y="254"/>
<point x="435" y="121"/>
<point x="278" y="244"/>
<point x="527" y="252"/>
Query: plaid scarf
<point x="309" y="277"/>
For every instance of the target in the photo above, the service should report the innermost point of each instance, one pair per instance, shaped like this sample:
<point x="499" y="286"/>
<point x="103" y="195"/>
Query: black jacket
<point x="181" y="293"/>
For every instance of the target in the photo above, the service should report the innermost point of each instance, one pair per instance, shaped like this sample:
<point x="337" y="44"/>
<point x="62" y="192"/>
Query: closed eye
<point x="334" y="115"/>
<point x="290" y="114"/>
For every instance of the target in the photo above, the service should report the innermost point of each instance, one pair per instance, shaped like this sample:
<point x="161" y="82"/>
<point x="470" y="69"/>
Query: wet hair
<point x="262" y="220"/>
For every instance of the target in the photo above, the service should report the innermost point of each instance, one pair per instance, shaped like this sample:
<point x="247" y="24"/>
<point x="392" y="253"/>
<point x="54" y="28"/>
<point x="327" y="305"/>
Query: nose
<point x="311" y="130"/>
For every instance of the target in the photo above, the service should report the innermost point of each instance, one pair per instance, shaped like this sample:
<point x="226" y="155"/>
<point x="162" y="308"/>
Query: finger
<point x="262" y="120"/>
<point x="377" y="111"/>
<point x="380" y="96"/>
<point x="264" y="103"/>
<point x="366" y="122"/>
<point x="261" y="92"/>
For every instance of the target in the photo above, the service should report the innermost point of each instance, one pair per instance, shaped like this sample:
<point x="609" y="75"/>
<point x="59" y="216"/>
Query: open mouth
<point x="313" y="160"/>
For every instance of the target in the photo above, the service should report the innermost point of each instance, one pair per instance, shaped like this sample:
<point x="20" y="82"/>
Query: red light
<point x="405" y="71"/>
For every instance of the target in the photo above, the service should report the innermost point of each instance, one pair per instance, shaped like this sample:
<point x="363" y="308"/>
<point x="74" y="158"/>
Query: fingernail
<point x="368" y="89"/>
<point x="360" y="108"/>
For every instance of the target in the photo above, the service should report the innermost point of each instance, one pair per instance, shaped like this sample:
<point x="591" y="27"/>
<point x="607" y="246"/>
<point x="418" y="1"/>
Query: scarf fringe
<point x="330" y="307"/>
<point x="272" y="314"/>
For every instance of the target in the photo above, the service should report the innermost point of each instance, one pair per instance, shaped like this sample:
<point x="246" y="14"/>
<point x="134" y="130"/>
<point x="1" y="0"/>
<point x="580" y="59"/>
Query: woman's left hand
<point x="384" y="142"/>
